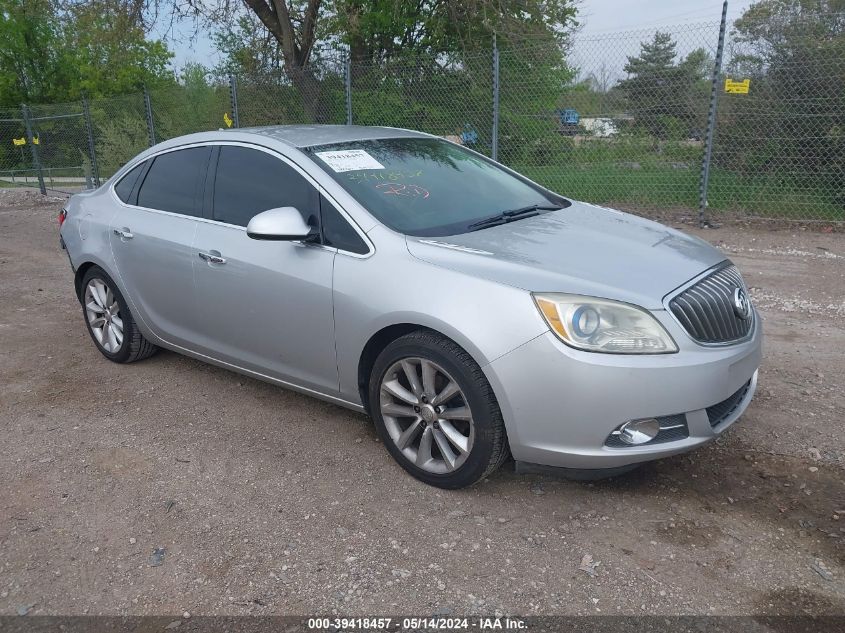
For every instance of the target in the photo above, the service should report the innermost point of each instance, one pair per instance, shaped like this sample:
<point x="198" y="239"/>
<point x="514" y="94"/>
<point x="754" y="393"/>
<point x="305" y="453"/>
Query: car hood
<point x="582" y="249"/>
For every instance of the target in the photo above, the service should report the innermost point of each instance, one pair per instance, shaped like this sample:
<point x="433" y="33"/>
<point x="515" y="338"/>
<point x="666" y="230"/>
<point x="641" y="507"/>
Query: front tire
<point x="435" y="411"/>
<point x="109" y="321"/>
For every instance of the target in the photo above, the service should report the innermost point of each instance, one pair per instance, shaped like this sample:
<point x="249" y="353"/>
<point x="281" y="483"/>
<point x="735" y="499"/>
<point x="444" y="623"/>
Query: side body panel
<point x="392" y="287"/>
<point x="86" y="232"/>
<point x="154" y="266"/>
<point x="268" y="308"/>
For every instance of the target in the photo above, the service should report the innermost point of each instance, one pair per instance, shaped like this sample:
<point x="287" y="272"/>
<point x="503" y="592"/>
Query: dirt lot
<point x="268" y="502"/>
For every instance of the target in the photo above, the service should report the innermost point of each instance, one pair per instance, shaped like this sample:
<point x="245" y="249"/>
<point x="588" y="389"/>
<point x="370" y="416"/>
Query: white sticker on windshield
<point x="349" y="160"/>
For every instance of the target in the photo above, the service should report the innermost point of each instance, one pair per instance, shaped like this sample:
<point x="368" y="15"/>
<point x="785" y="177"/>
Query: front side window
<point x="426" y="186"/>
<point x="249" y="181"/>
<point x="173" y="181"/>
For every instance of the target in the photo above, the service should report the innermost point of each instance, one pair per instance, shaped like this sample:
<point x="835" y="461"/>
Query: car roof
<point x="308" y="135"/>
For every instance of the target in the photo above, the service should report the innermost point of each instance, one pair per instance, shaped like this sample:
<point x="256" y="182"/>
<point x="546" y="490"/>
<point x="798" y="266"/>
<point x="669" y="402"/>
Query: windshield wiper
<point x="511" y="216"/>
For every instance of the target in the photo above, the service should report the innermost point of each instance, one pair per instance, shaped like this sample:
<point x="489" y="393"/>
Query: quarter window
<point x="250" y="181"/>
<point x="337" y="232"/>
<point x="124" y="188"/>
<point x="173" y="181"/>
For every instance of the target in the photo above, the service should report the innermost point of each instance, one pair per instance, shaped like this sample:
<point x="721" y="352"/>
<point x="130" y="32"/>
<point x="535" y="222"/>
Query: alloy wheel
<point x="103" y="313"/>
<point x="426" y="415"/>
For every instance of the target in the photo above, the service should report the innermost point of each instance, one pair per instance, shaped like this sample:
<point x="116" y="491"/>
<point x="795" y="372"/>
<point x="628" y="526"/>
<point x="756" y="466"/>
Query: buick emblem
<point x="742" y="306"/>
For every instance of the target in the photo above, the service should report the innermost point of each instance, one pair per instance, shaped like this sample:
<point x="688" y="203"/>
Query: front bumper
<point x="560" y="405"/>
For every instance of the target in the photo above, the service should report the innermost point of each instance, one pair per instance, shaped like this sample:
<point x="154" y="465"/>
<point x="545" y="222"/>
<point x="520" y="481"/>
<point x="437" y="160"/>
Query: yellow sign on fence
<point x="737" y="87"/>
<point x="19" y="141"/>
<point x="227" y="119"/>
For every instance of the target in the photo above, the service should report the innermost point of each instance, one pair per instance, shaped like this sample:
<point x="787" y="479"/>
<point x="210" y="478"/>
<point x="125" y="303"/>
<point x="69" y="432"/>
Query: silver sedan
<point x="473" y="314"/>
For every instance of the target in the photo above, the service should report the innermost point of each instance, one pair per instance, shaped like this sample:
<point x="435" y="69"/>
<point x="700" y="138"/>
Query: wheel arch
<point x="389" y="333"/>
<point x="79" y="275"/>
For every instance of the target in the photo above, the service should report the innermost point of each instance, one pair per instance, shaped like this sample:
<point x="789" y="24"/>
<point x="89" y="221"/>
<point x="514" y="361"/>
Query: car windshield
<point x="426" y="186"/>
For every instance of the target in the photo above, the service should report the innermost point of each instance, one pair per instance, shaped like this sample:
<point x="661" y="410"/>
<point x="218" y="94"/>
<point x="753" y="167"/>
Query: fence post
<point x="233" y="99"/>
<point x="92" y="150"/>
<point x="495" y="131"/>
<point x="148" y="107"/>
<point x="36" y="162"/>
<point x="347" y="80"/>
<point x="704" y="181"/>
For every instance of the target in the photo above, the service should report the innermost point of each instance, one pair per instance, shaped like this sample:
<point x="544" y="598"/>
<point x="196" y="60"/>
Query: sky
<point x="598" y="18"/>
<point x="608" y="16"/>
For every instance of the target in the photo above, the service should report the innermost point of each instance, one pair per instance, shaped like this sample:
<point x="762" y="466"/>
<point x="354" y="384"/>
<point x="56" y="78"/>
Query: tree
<point x="32" y="58"/>
<point x="107" y="45"/>
<point x="248" y="51"/>
<point x="665" y="97"/>
<point x="293" y="24"/>
<point x="379" y="30"/>
<point x="53" y="53"/>
<point x="375" y="31"/>
<point x="791" y="126"/>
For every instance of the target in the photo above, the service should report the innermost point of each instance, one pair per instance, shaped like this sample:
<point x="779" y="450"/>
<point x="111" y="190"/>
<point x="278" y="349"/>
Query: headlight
<point x="601" y="325"/>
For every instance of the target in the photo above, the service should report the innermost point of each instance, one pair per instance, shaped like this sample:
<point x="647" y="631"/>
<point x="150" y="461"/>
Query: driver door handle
<point x="124" y="233"/>
<point x="211" y="259"/>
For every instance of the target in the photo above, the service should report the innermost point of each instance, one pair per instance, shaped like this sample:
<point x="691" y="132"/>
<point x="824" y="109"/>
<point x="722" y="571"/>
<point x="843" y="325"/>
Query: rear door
<point x="151" y="237"/>
<point x="267" y="306"/>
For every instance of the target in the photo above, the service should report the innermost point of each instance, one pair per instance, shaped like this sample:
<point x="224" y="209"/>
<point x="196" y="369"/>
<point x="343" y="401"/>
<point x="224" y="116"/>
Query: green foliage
<point x="248" y="51"/>
<point x="108" y="49"/>
<point x="99" y="47"/>
<point x="120" y="138"/>
<point x="790" y="125"/>
<point x="665" y="97"/>
<point x="423" y="94"/>
<point x="379" y="30"/>
<point x="33" y="63"/>
<point x="194" y="105"/>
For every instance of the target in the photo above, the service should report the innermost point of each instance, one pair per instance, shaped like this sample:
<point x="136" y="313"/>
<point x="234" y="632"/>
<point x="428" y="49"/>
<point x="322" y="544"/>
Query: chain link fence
<point x="620" y="119"/>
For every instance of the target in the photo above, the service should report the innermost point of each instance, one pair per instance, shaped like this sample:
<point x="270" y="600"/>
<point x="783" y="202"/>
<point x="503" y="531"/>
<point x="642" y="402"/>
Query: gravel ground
<point x="170" y="486"/>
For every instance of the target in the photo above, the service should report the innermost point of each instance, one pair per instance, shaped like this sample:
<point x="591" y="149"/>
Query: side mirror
<point x="284" y="224"/>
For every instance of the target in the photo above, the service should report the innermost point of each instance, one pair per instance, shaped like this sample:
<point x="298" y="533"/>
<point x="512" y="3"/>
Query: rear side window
<point x="337" y="231"/>
<point x="124" y="187"/>
<point x="249" y="181"/>
<point x="173" y="181"/>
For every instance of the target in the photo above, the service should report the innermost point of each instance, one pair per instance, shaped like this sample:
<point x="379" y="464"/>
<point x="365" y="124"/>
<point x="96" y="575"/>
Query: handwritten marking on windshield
<point x="403" y="190"/>
<point x="392" y="176"/>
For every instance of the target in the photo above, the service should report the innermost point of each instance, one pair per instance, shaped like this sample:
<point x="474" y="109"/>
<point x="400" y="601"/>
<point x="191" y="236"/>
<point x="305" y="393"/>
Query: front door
<point x="262" y="305"/>
<point x="151" y="238"/>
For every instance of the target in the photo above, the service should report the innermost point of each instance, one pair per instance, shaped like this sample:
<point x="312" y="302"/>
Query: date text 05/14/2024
<point x="417" y="623"/>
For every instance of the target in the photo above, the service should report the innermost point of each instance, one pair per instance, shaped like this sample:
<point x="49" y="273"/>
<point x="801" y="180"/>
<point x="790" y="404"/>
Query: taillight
<point x="62" y="216"/>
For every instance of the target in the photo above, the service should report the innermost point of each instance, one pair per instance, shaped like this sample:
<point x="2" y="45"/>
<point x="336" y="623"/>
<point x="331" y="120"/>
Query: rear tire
<point x="109" y="321"/>
<point x="435" y="411"/>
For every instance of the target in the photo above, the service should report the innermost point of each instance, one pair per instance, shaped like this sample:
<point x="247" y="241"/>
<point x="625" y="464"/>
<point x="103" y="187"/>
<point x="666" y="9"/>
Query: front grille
<point x="706" y="309"/>
<point x="721" y="411"/>
<point x="672" y="428"/>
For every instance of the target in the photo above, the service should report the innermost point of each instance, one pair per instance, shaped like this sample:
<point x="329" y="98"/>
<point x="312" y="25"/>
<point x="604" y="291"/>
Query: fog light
<point x="639" y="431"/>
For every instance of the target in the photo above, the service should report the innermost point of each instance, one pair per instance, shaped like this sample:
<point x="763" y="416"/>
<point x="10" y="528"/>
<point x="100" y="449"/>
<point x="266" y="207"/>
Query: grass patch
<point x="672" y="184"/>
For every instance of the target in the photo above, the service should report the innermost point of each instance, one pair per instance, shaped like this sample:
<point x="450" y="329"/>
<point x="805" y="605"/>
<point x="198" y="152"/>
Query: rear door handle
<point x="211" y="258"/>
<point x="124" y="233"/>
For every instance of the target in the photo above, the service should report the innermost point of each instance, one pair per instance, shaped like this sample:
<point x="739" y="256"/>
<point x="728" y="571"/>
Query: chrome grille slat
<point x="711" y="319"/>
<point x="692" y="313"/>
<point x="720" y="292"/>
<point x="716" y="306"/>
<point x="706" y="309"/>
